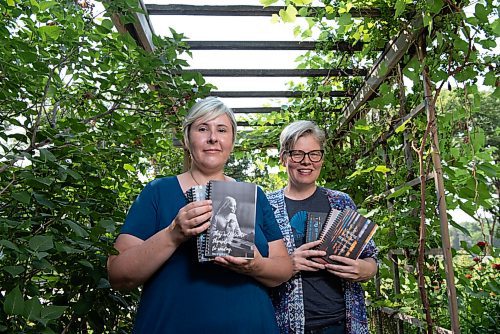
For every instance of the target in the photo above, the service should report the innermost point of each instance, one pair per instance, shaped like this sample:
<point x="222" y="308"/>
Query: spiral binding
<point x="200" y="193"/>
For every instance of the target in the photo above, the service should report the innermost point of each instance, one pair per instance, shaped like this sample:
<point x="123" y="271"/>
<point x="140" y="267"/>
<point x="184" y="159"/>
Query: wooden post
<point x="438" y="179"/>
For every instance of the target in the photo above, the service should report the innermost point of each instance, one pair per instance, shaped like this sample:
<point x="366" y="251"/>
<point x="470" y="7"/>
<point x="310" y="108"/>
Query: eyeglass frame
<point x="289" y="153"/>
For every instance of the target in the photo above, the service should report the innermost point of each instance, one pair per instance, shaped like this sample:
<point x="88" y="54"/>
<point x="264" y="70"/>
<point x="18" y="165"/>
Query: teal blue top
<point x="185" y="296"/>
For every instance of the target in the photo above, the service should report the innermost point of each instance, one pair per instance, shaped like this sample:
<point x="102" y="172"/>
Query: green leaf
<point x="32" y="309"/>
<point x="289" y="14"/>
<point x="11" y="3"/>
<point x="400" y="7"/>
<point x="14" y="270"/>
<point x="103" y="284"/>
<point x="129" y="167"/>
<point x="345" y="19"/>
<point x="402" y="127"/>
<point x="86" y="264"/>
<point x="46" y="155"/>
<point x="267" y="3"/>
<point x="495" y="27"/>
<point x="44" y="201"/>
<point x="478" y="139"/>
<point x="52" y="312"/>
<point x="9" y="244"/>
<point x="302" y="2"/>
<point x="52" y="32"/>
<point x="14" y="302"/>
<point x="73" y="174"/>
<point x="481" y="13"/>
<point x="40" y="243"/>
<point x="490" y="79"/>
<point x="107" y="23"/>
<point x="79" y="231"/>
<point x="489" y="169"/>
<point x="399" y="192"/>
<point x="460" y="44"/>
<point x="22" y="196"/>
<point x="435" y="6"/>
<point x="459" y="227"/>
<point x="108" y="224"/>
<point x="382" y="169"/>
<point x="47" y="4"/>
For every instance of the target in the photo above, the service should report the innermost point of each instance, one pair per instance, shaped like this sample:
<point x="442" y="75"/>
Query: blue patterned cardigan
<point x="288" y="299"/>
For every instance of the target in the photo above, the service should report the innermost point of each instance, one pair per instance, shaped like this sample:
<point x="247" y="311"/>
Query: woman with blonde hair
<point x="157" y="246"/>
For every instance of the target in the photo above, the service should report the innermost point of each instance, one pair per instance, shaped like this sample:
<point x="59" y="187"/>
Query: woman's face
<point x="211" y="143"/>
<point x="232" y="207"/>
<point x="305" y="172"/>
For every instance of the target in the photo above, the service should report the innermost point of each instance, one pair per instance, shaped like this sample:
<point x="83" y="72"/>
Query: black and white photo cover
<point x="232" y="228"/>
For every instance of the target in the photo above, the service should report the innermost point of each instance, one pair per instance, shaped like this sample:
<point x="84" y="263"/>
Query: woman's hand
<point x="270" y="271"/>
<point x="301" y="257"/>
<point x="359" y="270"/>
<point x="191" y="220"/>
<point x="238" y="264"/>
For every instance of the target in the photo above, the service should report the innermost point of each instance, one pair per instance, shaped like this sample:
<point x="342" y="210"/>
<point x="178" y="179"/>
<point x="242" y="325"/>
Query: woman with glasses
<point x="319" y="298"/>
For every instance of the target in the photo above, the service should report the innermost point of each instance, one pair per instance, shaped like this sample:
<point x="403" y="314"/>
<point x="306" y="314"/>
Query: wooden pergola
<point x="388" y="62"/>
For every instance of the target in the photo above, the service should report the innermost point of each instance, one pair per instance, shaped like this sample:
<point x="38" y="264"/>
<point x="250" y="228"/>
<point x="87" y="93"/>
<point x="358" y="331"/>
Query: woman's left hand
<point x="238" y="264"/>
<point x="359" y="270"/>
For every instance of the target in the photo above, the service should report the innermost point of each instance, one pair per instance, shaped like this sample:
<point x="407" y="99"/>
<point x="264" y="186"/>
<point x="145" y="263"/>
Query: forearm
<point x="368" y="269"/>
<point x="137" y="263"/>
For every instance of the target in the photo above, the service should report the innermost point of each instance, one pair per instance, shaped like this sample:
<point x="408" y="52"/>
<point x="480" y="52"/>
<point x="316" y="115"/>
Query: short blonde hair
<point x="206" y="110"/>
<point x="293" y="131"/>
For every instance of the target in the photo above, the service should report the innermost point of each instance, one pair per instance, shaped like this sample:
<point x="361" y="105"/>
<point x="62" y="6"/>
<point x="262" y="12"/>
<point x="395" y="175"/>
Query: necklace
<point x="198" y="183"/>
<point x="192" y="176"/>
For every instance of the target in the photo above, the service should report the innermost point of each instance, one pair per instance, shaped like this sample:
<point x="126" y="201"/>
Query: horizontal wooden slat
<point x="246" y="123"/>
<point x="271" y="94"/>
<point x="239" y="10"/>
<point x="334" y="72"/>
<point x="256" y="110"/>
<point x="272" y="45"/>
<point x="264" y="110"/>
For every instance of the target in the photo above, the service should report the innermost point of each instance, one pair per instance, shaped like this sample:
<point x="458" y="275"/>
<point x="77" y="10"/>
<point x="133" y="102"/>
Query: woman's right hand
<point x="301" y="257"/>
<point x="191" y="220"/>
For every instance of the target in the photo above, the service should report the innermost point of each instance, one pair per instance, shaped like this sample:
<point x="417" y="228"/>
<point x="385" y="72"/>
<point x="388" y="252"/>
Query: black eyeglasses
<point x="298" y="156"/>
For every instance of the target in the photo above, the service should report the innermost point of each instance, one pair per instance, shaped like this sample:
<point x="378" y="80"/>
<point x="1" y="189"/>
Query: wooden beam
<point x="263" y="110"/>
<point x="277" y="72"/>
<point x="241" y="10"/>
<point x="246" y="123"/>
<point x="411" y="183"/>
<point x="273" y="45"/>
<point x="256" y="110"/>
<point x="383" y="137"/>
<point x="141" y="30"/>
<point x="382" y="68"/>
<point x="296" y="94"/>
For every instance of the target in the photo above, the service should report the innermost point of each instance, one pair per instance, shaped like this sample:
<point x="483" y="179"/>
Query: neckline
<point x="302" y="199"/>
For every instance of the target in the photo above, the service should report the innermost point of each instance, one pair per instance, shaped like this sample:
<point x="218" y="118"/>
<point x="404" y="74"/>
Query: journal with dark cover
<point x="345" y="233"/>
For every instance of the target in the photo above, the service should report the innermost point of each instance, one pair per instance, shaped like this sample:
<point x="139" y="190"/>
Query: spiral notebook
<point x="344" y="233"/>
<point x="232" y="225"/>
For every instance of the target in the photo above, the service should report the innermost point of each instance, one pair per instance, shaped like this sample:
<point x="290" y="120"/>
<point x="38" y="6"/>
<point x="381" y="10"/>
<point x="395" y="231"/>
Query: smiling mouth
<point x="305" y="171"/>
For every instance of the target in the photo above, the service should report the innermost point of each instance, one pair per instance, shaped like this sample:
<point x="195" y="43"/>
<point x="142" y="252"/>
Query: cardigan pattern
<point x="288" y="297"/>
